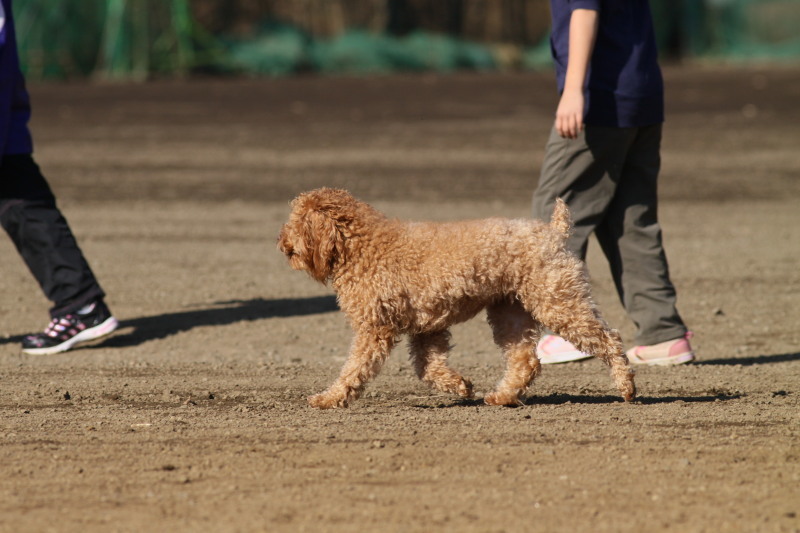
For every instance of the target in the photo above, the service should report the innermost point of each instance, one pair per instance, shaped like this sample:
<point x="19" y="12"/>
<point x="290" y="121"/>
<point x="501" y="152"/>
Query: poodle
<point x="394" y="278"/>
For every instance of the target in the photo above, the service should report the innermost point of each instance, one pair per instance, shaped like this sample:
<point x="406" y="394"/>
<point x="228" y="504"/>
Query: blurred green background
<point x="140" y="39"/>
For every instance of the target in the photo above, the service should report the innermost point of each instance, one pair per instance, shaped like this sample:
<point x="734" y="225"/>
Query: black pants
<point x="42" y="236"/>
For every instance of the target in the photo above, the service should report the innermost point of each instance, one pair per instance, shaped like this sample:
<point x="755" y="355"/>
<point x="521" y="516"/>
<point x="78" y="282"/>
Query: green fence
<point x="136" y="39"/>
<point x="108" y="38"/>
<point x="731" y="30"/>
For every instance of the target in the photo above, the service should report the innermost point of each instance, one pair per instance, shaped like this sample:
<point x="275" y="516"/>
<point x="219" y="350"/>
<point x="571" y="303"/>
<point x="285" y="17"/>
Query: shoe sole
<point x="664" y="361"/>
<point x="86" y="335"/>
<point x="567" y="357"/>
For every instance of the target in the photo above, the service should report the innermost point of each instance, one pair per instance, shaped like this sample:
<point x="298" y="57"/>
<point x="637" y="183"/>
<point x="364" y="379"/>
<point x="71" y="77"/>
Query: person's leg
<point x="29" y="214"/>
<point x="585" y="176"/>
<point x="630" y="237"/>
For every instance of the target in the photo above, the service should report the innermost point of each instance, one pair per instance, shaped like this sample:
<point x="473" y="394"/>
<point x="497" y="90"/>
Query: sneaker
<point x="88" y="323"/>
<point x="552" y="349"/>
<point x="674" y="352"/>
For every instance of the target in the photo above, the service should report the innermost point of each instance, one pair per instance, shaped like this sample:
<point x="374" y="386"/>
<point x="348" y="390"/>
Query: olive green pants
<point x="609" y="177"/>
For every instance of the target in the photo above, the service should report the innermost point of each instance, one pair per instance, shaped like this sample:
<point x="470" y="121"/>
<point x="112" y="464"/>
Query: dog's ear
<point x="323" y="218"/>
<point x="324" y="242"/>
<point x="337" y="204"/>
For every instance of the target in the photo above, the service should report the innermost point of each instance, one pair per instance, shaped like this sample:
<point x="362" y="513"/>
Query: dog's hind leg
<point x="572" y="315"/>
<point x="429" y="356"/>
<point x="515" y="332"/>
<point x="368" y="352"/>
<point x="595" y="338"/>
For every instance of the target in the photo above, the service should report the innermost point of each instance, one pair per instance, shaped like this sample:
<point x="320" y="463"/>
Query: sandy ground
<point x="193" y="415"/>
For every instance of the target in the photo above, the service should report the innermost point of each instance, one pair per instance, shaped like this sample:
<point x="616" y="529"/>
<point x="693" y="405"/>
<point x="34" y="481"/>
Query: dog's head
<point x="314" y="237"/>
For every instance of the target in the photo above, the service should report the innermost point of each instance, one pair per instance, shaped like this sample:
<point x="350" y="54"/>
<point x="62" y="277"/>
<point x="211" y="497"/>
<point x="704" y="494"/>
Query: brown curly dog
<point x="394" y="277"/>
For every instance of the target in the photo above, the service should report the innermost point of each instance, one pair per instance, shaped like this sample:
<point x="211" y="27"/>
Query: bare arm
<point x="582" y="34"/>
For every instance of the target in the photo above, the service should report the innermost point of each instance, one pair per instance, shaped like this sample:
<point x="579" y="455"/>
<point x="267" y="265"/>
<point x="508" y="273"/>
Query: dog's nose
<point x="284" y="246"/>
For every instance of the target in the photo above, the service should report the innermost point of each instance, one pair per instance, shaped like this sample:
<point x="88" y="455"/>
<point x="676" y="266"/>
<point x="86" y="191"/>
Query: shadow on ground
<point x="750" y="361"/>
<point x="148" y="328"/>
<point x="154" y="327"/>
<point x="564" y="399"/>
<point x="559" y="399"/>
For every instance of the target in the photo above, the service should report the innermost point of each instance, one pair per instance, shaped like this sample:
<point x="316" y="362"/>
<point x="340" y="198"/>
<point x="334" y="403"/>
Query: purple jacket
<point x="15" y="108"/>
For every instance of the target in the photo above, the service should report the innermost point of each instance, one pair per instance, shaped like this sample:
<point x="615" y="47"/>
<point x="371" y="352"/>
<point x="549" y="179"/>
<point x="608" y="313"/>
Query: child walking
<point x="603" y="159"/>
<point x="29" y="214"/>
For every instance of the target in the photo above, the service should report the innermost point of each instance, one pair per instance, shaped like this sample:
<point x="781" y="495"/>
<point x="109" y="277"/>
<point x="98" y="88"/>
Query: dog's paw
<point x="465" y="389"/>
<point x="502" y="398"/>
<point x="326" y="401"/>
<point x="629" y="393"/>
<point x="626" y="384"/>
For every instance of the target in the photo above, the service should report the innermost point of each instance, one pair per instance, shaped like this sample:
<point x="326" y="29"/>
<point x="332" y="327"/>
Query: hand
<point x="569" y="115"/>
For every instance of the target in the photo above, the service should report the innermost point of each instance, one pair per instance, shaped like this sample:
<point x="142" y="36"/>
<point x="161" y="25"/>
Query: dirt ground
<point x="193" y="416"/>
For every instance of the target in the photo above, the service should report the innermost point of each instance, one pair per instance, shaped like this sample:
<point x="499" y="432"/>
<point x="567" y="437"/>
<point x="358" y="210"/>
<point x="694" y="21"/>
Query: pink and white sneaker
<point x="675" y="352"/>
<point x="552" y="350"/>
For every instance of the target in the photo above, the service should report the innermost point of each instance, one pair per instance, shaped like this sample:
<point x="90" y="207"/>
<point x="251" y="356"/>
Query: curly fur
<point x="396" y="278"/>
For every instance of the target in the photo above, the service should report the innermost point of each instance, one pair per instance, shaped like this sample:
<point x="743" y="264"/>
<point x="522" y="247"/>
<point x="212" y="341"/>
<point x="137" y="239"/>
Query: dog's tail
<point x="561" y="221"/>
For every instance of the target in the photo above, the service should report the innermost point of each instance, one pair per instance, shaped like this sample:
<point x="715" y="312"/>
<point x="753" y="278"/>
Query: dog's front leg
<point x="429" y="355"/>
<point x="515" y="331"/>
<point x="367" y="354"/>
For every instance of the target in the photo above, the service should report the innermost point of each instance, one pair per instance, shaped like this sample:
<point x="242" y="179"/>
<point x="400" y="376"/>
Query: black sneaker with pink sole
<point x="87" y="324"/>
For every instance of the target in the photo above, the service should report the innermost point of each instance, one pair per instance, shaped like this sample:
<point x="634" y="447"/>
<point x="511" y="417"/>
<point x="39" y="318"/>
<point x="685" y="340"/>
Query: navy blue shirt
<point x="624" y="85"/>
<point x="15" y="109"/>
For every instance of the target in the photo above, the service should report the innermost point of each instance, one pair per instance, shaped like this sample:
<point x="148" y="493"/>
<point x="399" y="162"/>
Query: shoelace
<point x="60" y="325"/>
